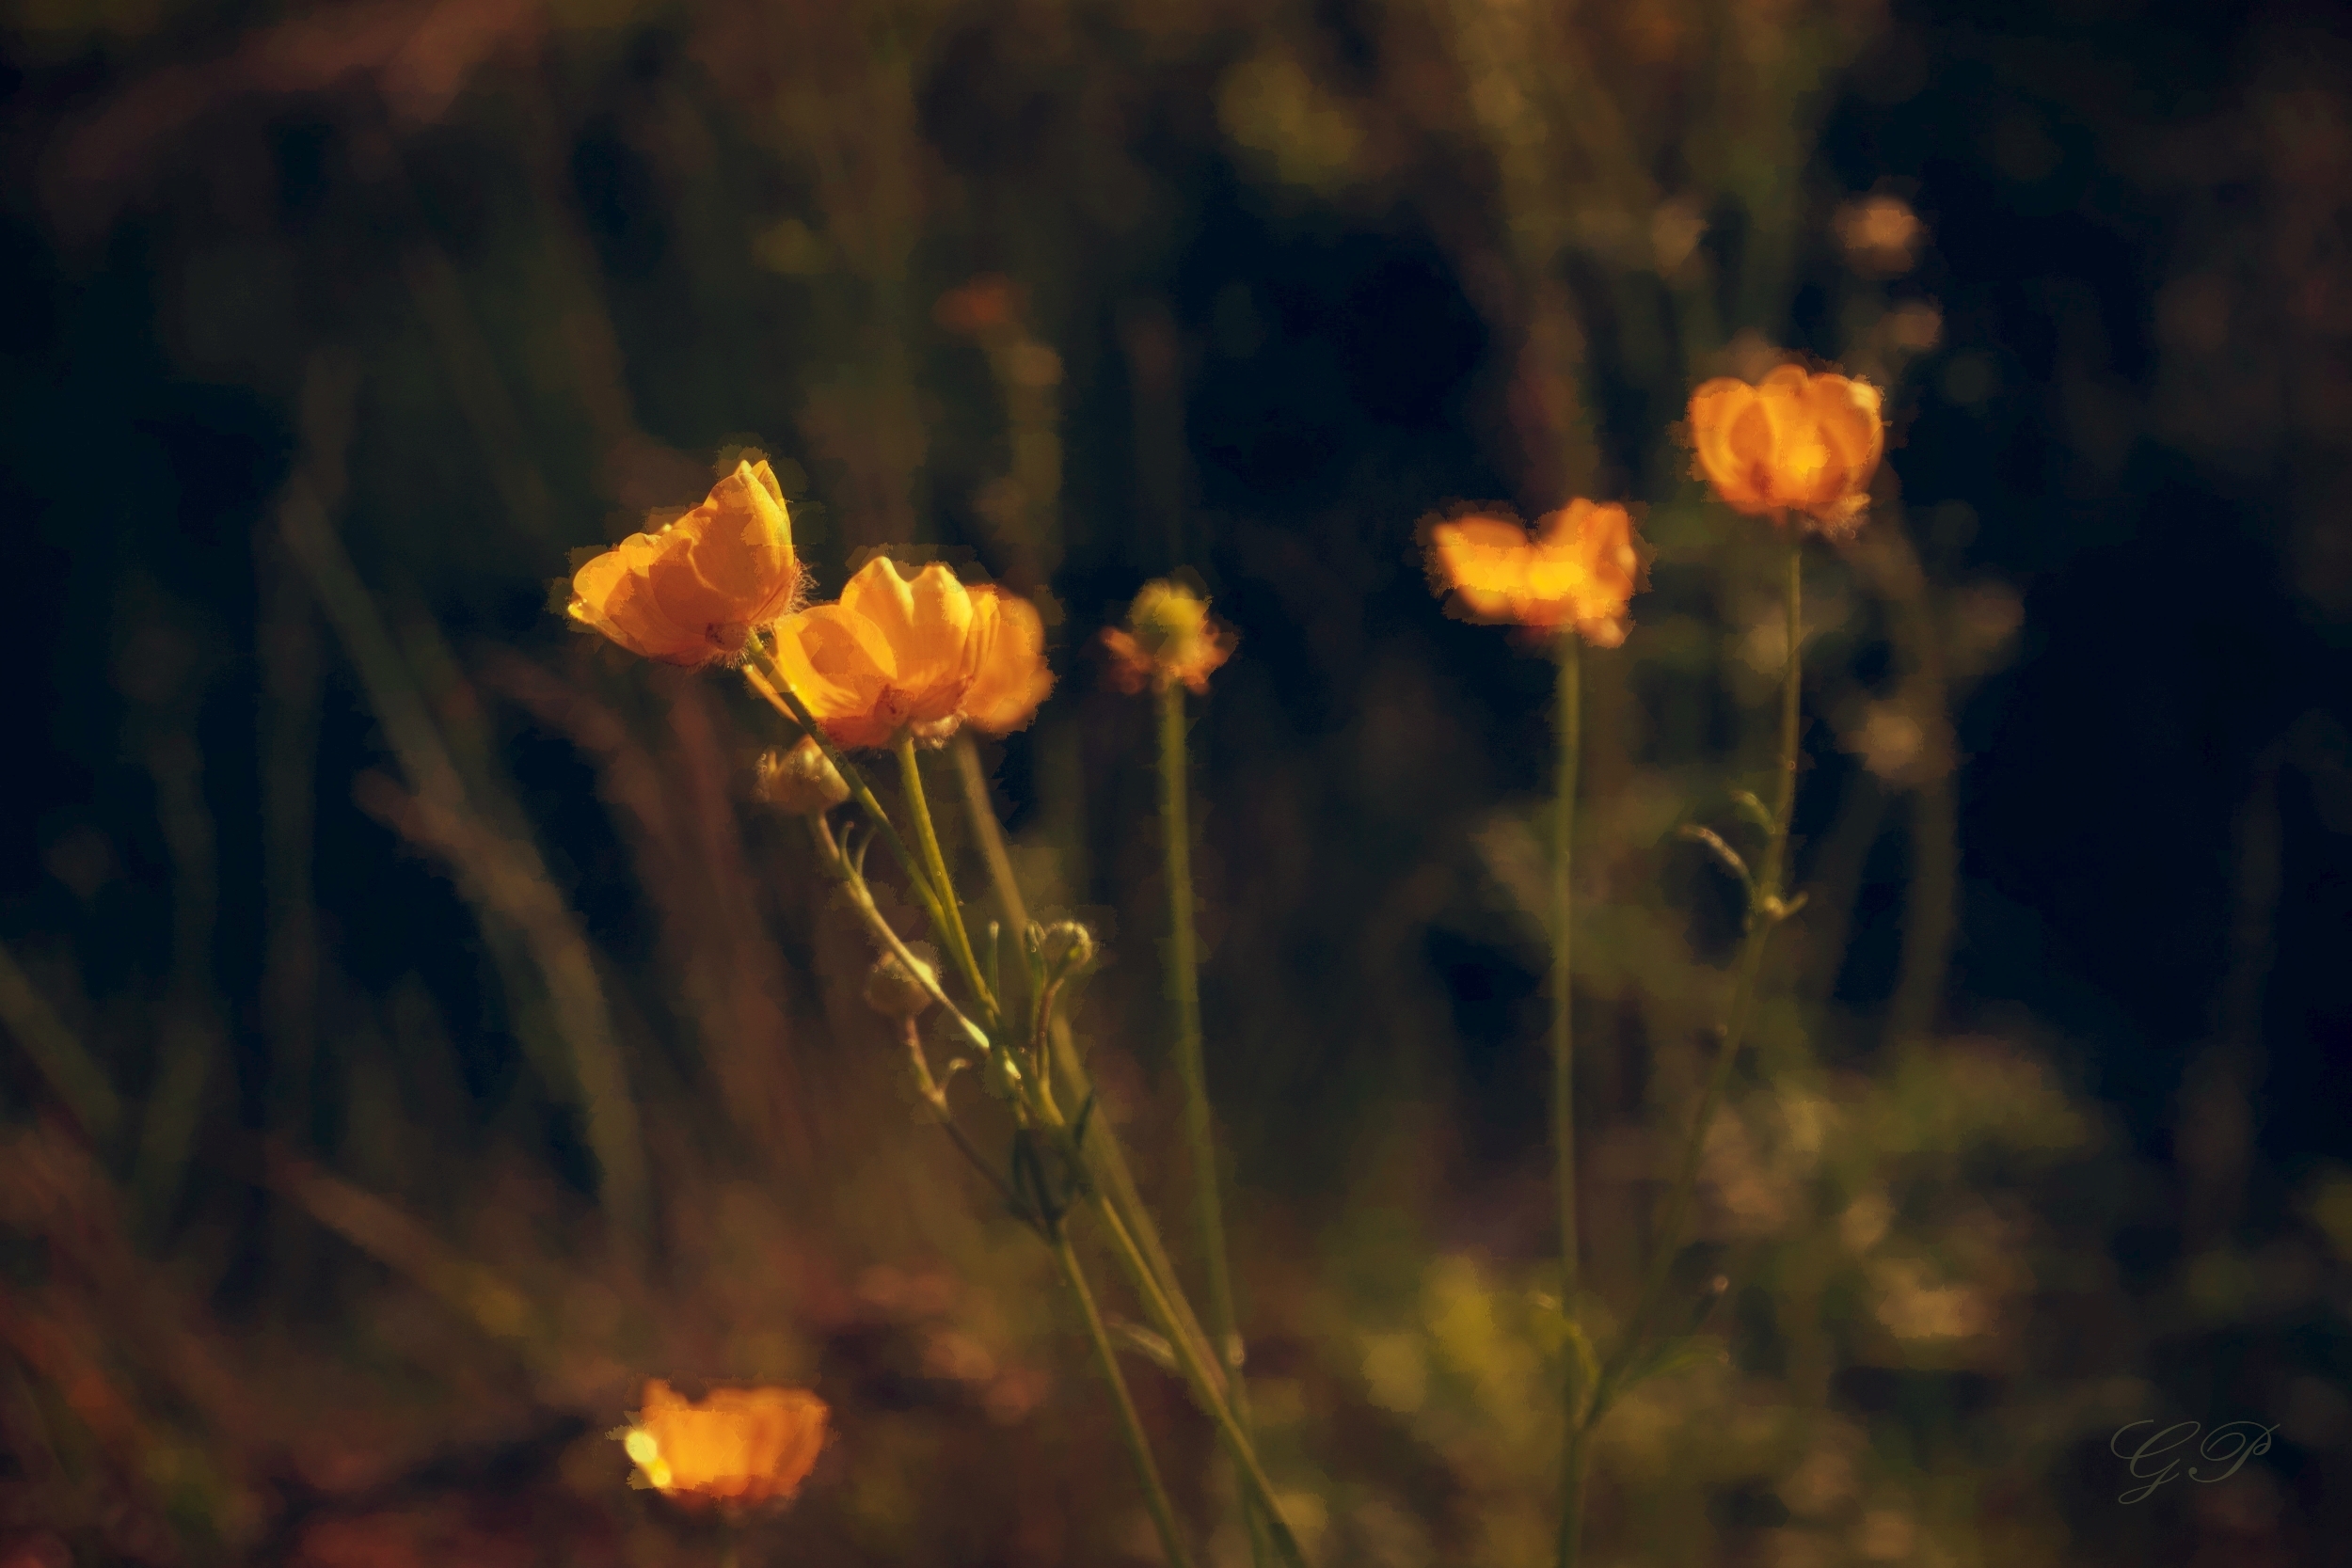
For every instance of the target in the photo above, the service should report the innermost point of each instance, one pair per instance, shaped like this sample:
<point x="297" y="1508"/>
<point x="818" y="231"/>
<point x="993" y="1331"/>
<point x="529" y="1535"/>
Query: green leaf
<point x="1583" y="1366"/>
<point x="1153" y="1347"/>
<point x="1677" y="1356"/>
<point x="1752" y="808"/>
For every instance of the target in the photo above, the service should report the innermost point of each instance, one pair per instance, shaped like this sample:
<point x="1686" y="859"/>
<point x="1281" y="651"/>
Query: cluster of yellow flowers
<point x="1795" y="445"/>
<point x="921" y="655"/>
<point x="903" y="657"/>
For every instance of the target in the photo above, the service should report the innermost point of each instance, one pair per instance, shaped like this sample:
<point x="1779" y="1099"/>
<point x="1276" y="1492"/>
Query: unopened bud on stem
<point x="800" y="782"/>
<point x="896" y="991"/>
<point x="1065" y="947"/>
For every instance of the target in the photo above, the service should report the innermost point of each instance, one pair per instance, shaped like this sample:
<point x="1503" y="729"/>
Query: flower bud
<point x="1065" y="947"/>
<point x="1167" y="621"/>
<point x="1169" y="638"/>
<point x="898" y="993"/>
<point x="800" y="782"/>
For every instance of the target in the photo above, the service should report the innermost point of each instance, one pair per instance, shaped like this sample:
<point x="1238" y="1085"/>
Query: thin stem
<point x="773" y="685"/>
<point x="1564" y="1078"/>
<point x="1106" y="1159"/>
<point x="1207" y="1384"/>
<point x="1130" y="1424"/>
<point x="950" y="911"/>
<point x="1769" y="909"/>
<point x="1572" y="1488"/>
<point x="934" y="1095"/>
<point x="991" y="833"/>
<point x="862" y="898"/>
<point x="1562" y="921"/>
<point x="1183" y="990"/>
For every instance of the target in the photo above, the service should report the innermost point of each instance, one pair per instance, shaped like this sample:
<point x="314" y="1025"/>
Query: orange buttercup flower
<point x="1580" y="568"/>
<point x="740" y="1447"/>
<point x="1169" y="637"/>
<point x="690" y="592"/>
<point x="922" y="655"/>
<point x="1793" y="442"/>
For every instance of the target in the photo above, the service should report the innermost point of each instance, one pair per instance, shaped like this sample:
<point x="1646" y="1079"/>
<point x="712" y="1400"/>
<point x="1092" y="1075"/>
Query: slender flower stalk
<point x="1183" y="990"/>
<point x="1563" y="932"/>
<point x="1106" y="1160"/>
<point x="1569" y="581"/>
<point x="1207" y="1387"/>
<point x="1769" y="906"/>
<point x="769" y="680"/>
<point x="950" y="912"/>
<point x="1564" y="1074"/>
<point x="1130" y="1424"/>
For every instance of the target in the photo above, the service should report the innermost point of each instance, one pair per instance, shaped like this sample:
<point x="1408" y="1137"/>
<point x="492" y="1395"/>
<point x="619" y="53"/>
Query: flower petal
<point x="1005" y="655"/>
<point x="1485" y="560"/>
<point x="1732" y="440"/>
<point x="838" y="665"/>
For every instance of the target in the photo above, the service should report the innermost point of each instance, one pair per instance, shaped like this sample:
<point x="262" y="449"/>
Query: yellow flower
<point x="741" y="1446"/>
<point x="1793" y="442"/>
<point x="1578" y="569"/>
<point x="922" y="653"/>
<point x="1169" y="637"/>
<point x="690" y="592"/>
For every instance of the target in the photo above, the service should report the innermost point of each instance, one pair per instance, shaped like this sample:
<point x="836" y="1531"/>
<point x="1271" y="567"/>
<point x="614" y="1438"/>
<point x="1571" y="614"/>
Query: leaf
<point x="1583" y="1365"/>
<point x="1752" y="808"/>
<point x="1154" y="1348"/>
<point x="1677" y="1356"/>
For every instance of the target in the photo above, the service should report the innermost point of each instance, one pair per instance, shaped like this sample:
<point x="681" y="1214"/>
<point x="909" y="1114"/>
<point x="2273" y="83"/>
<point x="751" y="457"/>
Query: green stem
<point x="1769" y="909"/>
<point x="1183" y="990"/>
<point x="1572" y="1488"/>
<point x="1130" y="1424"/>
<point x="1207" y="1386"/>
<point x="1106" y="1159"/>
<point x="1563" y="920"/>
<point x="769" y="682"/>
<point x="1564" y="1076"/>
<point x="950" y="918"/>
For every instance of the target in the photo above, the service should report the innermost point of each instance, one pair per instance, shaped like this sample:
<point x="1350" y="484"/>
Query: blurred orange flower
<point x="922" y="653"/>
<point x="1580" y="568"/>
<point x="1169" y="638"/>
<point x="690" y="592"/>
<point x="741" y="1446"/>
<point x="982" y="304"/>
<point x="1793" y="442"/>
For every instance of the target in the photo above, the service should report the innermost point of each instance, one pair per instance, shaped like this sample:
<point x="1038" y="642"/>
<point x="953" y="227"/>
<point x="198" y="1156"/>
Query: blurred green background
<point x="412" y="1037"/>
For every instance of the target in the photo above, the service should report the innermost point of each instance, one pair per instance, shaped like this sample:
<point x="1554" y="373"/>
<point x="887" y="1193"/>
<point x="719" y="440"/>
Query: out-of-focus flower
<point x="1169" y="637"/>
<point x="1580" y="568"/>
<point x="921" y="655"/>
<point x="1879" y="234"/>
<point x="1890" y="743"/>
<point x="1793" y="442"/>
<point x="983" y="305"/>
<point x="742" y="1447"/>
<point x="800" y="780"/>
<point x="1914" y="327"/>
<point x="692" y="591"/>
